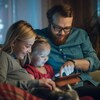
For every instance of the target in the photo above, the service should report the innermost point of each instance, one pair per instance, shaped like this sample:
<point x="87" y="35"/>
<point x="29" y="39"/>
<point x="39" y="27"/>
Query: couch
<point x="95" y="75"/>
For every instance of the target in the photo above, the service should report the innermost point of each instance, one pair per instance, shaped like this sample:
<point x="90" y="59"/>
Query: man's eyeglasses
<point x="58" y="29"/>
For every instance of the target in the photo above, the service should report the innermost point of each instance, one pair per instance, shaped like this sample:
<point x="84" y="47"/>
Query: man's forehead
<point x="63" y="23"/>
<point x="59" y="20"/>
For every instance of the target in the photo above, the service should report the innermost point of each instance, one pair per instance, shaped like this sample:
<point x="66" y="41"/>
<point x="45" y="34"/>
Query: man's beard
<point x="57" y="41"/>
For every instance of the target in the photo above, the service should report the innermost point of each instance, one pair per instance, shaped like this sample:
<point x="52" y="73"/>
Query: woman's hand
<point x="32" y="76"/>
<point x="67" y="68"/>
<point x="48" y="83"/>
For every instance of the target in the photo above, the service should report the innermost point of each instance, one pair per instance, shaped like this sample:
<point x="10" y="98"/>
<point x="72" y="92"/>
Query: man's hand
<point x="67" y="68"/>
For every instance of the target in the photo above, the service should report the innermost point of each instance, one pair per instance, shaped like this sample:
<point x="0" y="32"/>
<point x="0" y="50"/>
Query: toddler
<point x="38" y="68"/>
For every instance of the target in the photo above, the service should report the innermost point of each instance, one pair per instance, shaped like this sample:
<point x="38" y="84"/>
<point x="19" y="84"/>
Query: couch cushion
<point x="95" y="75"/>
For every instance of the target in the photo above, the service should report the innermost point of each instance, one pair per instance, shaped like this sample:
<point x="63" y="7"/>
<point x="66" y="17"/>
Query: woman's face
<point x="21" y="48"/>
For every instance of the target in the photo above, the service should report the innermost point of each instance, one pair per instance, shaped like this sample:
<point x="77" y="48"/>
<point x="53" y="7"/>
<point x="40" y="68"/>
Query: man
<point x="71" y="49"/>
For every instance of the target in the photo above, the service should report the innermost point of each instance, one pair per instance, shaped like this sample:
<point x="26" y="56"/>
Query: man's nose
<point x="62" y="32"/>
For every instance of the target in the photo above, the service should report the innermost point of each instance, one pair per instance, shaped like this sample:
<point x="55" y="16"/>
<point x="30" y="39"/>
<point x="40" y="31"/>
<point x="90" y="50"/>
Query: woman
<point x="20" y="38"/>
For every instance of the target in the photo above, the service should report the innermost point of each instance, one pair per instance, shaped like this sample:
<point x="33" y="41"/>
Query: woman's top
<point x="11" y="72"/>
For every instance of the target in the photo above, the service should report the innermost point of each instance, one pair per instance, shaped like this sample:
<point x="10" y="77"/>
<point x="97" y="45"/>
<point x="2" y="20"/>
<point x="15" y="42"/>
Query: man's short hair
<point x="63" y="10"/>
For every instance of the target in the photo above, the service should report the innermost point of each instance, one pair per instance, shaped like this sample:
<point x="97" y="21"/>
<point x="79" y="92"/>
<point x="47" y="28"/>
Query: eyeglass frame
<point x="68" y="29"/>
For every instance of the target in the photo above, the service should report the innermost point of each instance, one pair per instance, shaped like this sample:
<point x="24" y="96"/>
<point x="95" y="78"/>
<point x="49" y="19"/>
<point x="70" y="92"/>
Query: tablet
<point x="71" y="79"/>
<point x="67" y="77"/>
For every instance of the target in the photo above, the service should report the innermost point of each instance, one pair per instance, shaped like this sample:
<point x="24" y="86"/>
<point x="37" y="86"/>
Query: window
<point x="3" y="19"/>
<point x="14" y="10"/>
<point x="98" y="8"/>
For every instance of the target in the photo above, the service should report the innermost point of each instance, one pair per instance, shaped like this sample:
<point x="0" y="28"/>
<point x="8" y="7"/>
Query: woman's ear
<point x="13" y="43"/>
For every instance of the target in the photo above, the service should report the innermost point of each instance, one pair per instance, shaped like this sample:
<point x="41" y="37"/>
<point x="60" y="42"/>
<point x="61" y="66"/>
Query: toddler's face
<point x="41" y="56"/>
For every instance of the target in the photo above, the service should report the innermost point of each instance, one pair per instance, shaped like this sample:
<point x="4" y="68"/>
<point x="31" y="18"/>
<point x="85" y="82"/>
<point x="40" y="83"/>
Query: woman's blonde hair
<point x="21" y="30"/>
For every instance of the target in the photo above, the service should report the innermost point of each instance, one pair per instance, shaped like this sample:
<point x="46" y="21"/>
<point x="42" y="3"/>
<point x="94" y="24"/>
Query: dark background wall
<point x="83" y="10"/>
<point x="34" y="11"/>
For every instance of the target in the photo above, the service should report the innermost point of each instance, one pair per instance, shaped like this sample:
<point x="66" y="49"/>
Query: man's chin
<point x="59" y="42"/>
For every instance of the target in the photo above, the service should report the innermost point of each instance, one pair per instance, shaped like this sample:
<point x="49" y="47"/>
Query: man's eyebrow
<point x="67" y="27"/>
<point x="57" y="25"/>
<point x="61" y="27"/>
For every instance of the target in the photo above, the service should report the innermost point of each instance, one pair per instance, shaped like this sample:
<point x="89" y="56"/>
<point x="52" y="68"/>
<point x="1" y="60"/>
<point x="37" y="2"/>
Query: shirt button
<point x="60" y="49"/>
<point x="64" y="57"/>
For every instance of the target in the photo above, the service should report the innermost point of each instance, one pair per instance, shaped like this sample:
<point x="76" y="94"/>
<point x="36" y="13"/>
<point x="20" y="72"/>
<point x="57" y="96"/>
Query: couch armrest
<point x="95" y="75"/>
